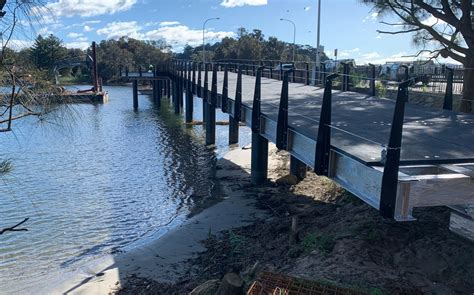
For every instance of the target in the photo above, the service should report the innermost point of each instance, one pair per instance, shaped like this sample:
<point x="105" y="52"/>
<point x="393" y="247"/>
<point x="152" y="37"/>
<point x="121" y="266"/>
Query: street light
<point x="294" y="35"/>
<point x="318" y="33"/>
<point x="203" y="38"/>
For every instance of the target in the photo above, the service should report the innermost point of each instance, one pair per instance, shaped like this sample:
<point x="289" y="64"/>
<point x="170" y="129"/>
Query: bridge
<point x="393" y="155"/>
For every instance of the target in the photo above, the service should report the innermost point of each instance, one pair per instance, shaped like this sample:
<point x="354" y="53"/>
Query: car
<point x="284" y="67"/>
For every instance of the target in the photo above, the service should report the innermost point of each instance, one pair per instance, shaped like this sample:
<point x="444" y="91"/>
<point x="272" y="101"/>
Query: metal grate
<point x="277" y="284"/>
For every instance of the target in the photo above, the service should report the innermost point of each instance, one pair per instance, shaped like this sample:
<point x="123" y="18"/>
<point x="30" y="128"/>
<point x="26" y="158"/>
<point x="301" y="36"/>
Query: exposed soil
<point x="340" y="239"/>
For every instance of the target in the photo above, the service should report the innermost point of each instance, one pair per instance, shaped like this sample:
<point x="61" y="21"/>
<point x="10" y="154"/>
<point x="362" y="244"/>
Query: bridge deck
<point x="429" y="135"/>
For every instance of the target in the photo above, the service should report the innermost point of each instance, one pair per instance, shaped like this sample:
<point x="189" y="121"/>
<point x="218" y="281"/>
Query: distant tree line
<point x="49" y="55"/>
<point x="251" y="45"/>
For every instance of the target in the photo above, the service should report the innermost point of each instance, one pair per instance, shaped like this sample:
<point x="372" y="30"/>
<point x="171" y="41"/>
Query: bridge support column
<point x="189" y="105"/>
<point x="210" y="124"/>
<point x="168" y="88"/>
<point x="179" y="96"/>
<point x="259" y="164"/>
<point x="233" y="130"/>
<point x="135" y="94"/>
<point x="259" y="161"/>
<point x="159" y="92"/>
<point x="297" y="168"/>
<point x="154" y="86"/>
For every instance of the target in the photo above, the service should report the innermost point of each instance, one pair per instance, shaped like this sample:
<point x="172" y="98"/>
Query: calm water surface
<point x="98" y="184"/>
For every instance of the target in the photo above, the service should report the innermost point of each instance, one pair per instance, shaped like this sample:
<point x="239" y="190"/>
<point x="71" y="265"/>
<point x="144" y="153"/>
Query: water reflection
<point x="114" y="176"/>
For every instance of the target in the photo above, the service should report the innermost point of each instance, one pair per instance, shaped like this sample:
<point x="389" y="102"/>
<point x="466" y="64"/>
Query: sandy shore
<point x="340" y="240"/>
<point x="164" y="260"/>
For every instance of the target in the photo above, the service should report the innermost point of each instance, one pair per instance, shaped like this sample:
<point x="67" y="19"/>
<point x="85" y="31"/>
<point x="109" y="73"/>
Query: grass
<point x="323" y="243"/>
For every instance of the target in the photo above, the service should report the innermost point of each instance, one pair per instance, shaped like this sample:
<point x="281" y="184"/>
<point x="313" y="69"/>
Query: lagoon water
<point x="100" y="181"/>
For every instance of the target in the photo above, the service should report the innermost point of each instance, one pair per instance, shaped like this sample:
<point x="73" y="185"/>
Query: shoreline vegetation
<point x="339" y="240"/>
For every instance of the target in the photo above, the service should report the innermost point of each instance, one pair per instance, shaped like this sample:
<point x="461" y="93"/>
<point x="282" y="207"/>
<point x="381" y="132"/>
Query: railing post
<point x="293" y="74"/>
<point x="259" y="161"/>
<point x="323" y="142"/>
<point x="234" y="119"/>
<point x="281" y="71"/>
<point x="126" y="71"/>
<point x="211" y="109"/>
<point x="140" y="74"/>
<point x="193" y="86"/>
<point x="307" y="73"/>
<point x="199" y="85"/>
<point x="388" y="192"/>
<point x="372" y="80"/>
<point x="135" y="94"/>
<point x="345" y="77"/>
<point x="225" y="90"/>
<point x="205" y="94"/>
<point x="282" y="123"/>
<point x="448" y="96"/>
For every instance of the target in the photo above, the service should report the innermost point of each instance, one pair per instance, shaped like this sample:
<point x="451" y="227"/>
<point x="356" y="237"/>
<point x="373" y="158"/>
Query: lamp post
<point x="294" y="34"/>
<point x="203" y="38"/>
<point x="318" y="33"/>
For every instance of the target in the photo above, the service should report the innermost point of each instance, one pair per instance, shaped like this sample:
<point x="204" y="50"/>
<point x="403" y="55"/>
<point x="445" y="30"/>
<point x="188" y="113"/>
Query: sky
<point x="347" y="25"/>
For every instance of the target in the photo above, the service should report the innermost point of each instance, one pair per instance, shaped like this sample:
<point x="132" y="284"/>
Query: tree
<point x="46" y="52"/>
<point x="441" y="28"/>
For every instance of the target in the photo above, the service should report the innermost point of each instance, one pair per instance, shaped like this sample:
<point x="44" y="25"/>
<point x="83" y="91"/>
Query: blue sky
<point x="346" y="25"/>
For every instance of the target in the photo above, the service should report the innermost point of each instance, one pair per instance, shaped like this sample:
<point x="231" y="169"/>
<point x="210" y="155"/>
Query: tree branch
<point x="14" y="228"/>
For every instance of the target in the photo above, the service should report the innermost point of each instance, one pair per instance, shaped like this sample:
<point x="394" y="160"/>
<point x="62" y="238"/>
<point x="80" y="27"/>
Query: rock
<point x="208" y="288"/>
<point x="287" y="180"/>
<point x="232" y="284"/>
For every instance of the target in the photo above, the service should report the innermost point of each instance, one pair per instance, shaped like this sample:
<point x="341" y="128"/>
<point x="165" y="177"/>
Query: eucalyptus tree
<point x="440" y="28"/>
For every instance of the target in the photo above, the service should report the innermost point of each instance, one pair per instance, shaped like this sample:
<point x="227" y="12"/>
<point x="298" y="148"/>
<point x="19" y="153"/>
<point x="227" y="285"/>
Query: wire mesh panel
<point x="278" y="284"/>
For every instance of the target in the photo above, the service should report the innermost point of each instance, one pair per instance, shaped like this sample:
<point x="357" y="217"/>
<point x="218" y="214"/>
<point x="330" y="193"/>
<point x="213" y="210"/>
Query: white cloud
<point x="87" y="8"/>
<point x="116" y="30"/>
<point x="80" y="45"/>
<point x="17" y="44"/>
<point x="239" y="3"/>
<point x="74" y="35"/>
<point x="169" y="23"/>
<point x="87" y="28"/>
<point x="348" y="53"/>
<point x="175" y="35"/>
<point x="178" y="36"/>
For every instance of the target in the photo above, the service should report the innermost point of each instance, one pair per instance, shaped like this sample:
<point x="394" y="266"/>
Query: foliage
<point x="47" y="51"/>
<point x="250" y="46"/>
<point x="440" y="28"/>
<point x="323" y="243"/>
<point x="112" y="55"/>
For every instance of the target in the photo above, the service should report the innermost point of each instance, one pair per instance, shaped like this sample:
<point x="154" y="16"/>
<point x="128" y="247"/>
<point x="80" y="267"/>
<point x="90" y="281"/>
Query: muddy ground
<point x="340" y="240"/>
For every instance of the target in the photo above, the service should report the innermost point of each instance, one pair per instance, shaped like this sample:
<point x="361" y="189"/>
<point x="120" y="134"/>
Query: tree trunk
<point x="468" y="87"/>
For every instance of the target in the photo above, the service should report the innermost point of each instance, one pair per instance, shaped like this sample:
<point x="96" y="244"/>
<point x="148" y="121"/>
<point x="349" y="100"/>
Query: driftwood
<point x="14" y="228"/>
<point x="232" y="284"/>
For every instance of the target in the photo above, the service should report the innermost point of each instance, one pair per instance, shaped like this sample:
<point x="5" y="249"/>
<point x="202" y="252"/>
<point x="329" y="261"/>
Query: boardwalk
<point x="364" y="122"/>
<point x="358" y="148"/>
